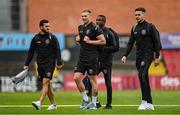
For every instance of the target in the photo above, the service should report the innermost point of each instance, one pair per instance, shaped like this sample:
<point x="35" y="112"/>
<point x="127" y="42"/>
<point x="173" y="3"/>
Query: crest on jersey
<point x="143" y="32"/>
<point x="47" y="41"/>
<point x="88" y="31"/>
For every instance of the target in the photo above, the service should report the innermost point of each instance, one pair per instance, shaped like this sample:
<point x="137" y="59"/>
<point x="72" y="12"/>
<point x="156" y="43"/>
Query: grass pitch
<point x="124" y="102"/>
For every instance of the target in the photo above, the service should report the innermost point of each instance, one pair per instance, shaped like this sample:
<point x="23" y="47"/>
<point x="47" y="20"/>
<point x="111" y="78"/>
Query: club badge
<point x="143" y="31"/>
<point x="47" y="41"/>
<point x="87" y="31"/>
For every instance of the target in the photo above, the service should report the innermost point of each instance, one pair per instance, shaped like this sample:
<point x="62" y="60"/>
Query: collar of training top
<point x="87" y="24"/>
<point x="143" y="22"/>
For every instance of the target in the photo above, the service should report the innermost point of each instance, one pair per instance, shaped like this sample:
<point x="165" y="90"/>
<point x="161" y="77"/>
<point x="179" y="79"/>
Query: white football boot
<point x="149" y="106"/>
<point x="37" y="105"/>
<point x="52" y="107"/>
<point x="143" y="105"/>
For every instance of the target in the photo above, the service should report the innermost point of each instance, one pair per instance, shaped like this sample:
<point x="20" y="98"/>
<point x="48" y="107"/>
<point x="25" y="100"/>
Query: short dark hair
<point x="140" y="9"/>
<point x="103" y="17"/>
<point x="41" y="22"/>
<point x="87" y="10"/>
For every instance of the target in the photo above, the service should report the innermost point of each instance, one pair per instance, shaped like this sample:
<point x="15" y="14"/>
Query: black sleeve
<point x="98" y="31"/>
<point x="78" y="33"/>
<point x="156" y="40"/>
<point x="130" y="43"/>
<point x="112" y="42"/>
<point x="58" y="51"/>
<point x="31" y="51"/>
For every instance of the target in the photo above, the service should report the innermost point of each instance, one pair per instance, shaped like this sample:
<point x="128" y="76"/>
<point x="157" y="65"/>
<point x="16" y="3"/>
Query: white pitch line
<point x="11" y="106"/>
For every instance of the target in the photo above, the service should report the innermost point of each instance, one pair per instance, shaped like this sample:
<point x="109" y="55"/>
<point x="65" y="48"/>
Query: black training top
<point x="146" y="39"/>
<point x="88" y="50"/>
<point x="46" y="46"/>
<point x="105" y="53"/>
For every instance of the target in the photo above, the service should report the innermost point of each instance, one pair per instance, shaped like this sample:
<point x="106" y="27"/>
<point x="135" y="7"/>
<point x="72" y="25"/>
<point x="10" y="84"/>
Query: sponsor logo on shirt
<point x="38" y="42"/>
<point x="135" y="33"/>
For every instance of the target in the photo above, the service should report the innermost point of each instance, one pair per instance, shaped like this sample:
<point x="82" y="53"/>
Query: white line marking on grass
<point x="91" y="114"/>
<point x="11" y="106"/>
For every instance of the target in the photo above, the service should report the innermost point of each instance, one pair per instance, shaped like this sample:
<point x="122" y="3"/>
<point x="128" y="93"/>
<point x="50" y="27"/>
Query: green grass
<point x="126" y="103"/>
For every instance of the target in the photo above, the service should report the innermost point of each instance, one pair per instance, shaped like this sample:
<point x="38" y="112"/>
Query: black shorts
<point x="90" y="65"/>
<point x="104" y="67"/>
<point x="45" y="71"/>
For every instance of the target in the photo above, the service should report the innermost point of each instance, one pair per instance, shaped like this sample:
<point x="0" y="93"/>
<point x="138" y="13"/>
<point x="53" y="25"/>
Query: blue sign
<point x="21" y="42"/>
<point x="170" y="40"/>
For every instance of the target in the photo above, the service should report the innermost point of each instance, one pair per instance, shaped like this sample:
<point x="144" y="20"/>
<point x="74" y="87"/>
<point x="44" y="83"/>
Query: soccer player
<point x="105" y="60"/>
<point x="147" y="41"/>
<point x="46" y="46"/>
<point x="106" y="56"/>
<point x="90" y="36"/>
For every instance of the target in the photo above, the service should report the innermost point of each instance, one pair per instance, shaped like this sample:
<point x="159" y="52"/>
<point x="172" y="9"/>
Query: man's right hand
<point x="25" y="67"/>
<point x="123" y="59"/>
<point x="77" y="38"/>
<point x="86" y="39"/>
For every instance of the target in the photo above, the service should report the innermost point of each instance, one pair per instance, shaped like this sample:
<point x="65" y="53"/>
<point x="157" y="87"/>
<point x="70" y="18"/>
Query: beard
<point x="101" y="25"/>
<point x="45" y="31"/>
<point x="139" y="20"/>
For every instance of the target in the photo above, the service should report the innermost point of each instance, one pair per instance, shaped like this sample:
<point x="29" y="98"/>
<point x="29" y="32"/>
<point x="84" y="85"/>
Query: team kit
<point x="97" y="44"/>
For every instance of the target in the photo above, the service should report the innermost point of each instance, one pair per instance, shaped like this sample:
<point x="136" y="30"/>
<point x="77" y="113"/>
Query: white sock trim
<point x="84" y="96"/>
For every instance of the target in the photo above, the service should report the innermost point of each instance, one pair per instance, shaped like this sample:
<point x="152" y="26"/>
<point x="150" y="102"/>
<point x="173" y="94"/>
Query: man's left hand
<point x="59" y="67"/>
<point x="156" y="62"/>
<point x="86" y="39"/>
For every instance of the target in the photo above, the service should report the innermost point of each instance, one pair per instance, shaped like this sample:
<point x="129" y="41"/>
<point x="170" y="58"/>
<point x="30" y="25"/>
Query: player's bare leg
<point x="51" y="98"/>
<point x="44" y="89"/>
<point x="78" y="80"/>
<point x="94" y="85"/>
<point x="51" y="95"/>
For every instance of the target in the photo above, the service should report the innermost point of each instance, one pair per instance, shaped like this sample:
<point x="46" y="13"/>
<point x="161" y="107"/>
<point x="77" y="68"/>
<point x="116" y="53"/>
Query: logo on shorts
<point x="75" y="68"/>
<point x="143" y="32"/>
<point x="142" y="63"/>
<point x="48" y="74"/>
<point x="105" y="71"/>
<point x="90" y="71"/>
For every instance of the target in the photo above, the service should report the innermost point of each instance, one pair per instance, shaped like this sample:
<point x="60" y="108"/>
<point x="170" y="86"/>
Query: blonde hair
<point x="87" y="10"/>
